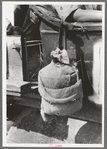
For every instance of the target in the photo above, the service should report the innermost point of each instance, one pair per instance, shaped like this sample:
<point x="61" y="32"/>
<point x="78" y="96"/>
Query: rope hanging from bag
<point x="62" y="38"/>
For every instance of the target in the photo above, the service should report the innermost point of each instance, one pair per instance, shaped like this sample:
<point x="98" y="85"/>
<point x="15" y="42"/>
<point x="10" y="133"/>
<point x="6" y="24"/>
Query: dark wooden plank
<point x="25" y="60"/>
<point x="23" y="101"/>
<point x="32" y="95"/>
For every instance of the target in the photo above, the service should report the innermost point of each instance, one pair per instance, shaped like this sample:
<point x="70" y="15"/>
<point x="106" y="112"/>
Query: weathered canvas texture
<point x="60" y="89"/>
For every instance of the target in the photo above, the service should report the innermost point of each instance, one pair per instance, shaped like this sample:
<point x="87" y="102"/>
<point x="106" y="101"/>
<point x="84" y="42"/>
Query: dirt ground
<point x="25" y="125"/>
